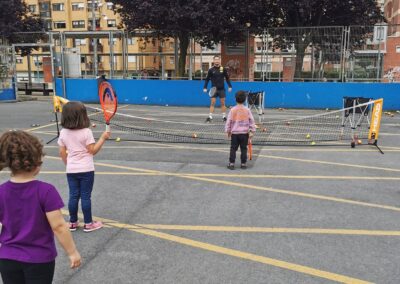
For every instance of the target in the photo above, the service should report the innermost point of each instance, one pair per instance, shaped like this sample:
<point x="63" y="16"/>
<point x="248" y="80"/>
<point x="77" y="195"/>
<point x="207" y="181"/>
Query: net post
<point x="375" y="123"/>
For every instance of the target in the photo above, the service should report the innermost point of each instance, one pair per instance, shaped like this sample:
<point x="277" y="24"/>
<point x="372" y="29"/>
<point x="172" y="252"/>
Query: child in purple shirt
<point x="239" y="126"/>
<point x="30" y="215"/>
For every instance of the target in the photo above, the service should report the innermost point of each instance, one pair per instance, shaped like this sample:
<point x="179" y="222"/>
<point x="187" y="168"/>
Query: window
<point x="114" y="41"/>
<point x="83" y="59"/>
<point x="263" y="67"/>
<point x="155" y="59"/>
<point x="131" y="41"/>
<point x="19" y="60"/>
<point x="110" y="5"/>
<point x="397" y="48"/>
<point x="78" y="6"/>
<point x="111" y="23"/>
<point x="45" y="6"/>
<point x="45" y="14"/>
<point x="78" y="24"/>
<point x="60" y="25"/>
<point x="79" y="42"/>
<point x="131" y="59"/>
<point x="89" y="6"/>
<point x="58" y="7"/>
<point x="32" y="8"/>
<point x="171" y="45"/>
<point x="172" y="60"/>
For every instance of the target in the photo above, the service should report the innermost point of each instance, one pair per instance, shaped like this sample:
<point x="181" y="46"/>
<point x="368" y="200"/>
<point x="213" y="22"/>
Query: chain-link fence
<point x="340" y="54"/>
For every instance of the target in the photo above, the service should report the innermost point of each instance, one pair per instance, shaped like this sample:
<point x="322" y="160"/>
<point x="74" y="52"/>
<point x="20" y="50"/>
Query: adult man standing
<point x="217" y="74"/>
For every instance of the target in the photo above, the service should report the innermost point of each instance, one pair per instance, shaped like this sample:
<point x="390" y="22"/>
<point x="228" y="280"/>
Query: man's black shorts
<point x="219" y="93"/>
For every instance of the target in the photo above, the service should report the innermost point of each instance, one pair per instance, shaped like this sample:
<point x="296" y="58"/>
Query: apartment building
<point x="78" y="16"/>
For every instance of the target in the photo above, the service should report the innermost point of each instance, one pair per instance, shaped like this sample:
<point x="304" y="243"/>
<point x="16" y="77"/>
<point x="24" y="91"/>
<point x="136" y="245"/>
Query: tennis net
<point x="344" y="126"/>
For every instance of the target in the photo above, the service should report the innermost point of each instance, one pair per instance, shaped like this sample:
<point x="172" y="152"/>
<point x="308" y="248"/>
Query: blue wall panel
<point x="278" y="94"/>
<point x="7" y="95"/>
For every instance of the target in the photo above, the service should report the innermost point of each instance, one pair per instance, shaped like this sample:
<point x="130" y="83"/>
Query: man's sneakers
<point x="208" y="120"/>
<point x="243" y="166"/>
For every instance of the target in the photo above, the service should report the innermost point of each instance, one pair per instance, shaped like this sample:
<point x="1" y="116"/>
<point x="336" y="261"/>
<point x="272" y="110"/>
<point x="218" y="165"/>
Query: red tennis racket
<point x="250" y="149"/>
<point x="108" y="101"/>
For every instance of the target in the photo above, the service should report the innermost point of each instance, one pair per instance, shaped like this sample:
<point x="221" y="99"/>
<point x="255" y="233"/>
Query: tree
<point x="208" y="22"/>
<point x="14" y="19"/>
<point x="306" y="13"/>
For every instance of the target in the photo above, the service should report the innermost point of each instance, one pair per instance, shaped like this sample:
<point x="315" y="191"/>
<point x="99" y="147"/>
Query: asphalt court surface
<point x="175" y="214"/>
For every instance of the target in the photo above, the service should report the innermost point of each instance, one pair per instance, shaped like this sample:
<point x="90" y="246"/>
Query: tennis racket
<point x="108" y="101"/>
<point x="250" y="149"/>
<point x="212" y="91"/>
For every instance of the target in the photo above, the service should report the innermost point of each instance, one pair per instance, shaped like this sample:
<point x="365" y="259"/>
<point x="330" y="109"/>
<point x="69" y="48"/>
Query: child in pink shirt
<point x="239" y="126"/>
<point x="77" y="148"/>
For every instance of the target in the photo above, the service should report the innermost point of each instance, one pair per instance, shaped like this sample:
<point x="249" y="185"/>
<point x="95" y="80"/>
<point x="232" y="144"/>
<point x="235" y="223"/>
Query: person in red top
<point x="239" y="126"/>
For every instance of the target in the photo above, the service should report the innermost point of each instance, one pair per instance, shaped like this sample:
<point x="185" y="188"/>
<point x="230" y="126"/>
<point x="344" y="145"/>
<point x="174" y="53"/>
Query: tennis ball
<point x="337" y="116"/>
<point x="313" y="143"/>
<point x="117" y="139"/>
<point x="308" y="136"/>
<point x="359" y="142"/>
<point x="94" y="125"/>
<point x="264" y="130"/>
<point x="194" y="135"/>
<point x="327" y="109"/>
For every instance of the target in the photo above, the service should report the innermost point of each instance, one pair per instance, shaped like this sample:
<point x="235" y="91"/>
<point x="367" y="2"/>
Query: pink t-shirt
<point x="79" y="160"/>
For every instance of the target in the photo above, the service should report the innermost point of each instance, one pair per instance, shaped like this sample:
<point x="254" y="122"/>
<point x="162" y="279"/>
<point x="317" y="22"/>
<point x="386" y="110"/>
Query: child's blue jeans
<point x="80" y="187"/>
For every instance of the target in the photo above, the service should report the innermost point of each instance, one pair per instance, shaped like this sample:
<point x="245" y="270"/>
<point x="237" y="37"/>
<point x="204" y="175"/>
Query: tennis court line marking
<point x="235" y="253"/>
<point x="54" y="123"/>
<point x="271" y="230"/>
<point x="168" y="146"/>
<point x="231" y="175"/>
<point x="302" y="160"/>
<point x="255" y="187"/>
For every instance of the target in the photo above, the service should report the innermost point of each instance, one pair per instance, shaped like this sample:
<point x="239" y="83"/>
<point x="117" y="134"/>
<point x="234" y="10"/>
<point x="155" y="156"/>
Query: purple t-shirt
<point x="26" y="234"/>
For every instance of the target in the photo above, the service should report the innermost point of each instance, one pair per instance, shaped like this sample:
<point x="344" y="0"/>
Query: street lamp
<point x="247" y="53"/>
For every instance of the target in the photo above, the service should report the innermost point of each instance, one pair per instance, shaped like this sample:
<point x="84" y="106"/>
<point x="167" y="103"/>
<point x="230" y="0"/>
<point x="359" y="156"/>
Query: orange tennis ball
<point x="194" y="135"/>
<point x="359" y="142"/>
<point x="264" y="130"/>
<point x="94" y="125"/>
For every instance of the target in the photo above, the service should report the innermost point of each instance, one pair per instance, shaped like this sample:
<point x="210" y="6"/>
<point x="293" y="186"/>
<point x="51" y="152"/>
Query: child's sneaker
<point x="231" y="166"/>
<point x="73" y="226"/>
<point x="243" y="166"/>
<point x="95" y="225"/>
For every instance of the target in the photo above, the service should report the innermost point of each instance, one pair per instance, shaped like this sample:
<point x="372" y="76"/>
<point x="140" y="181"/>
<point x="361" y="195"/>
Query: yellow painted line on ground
<point x="270" y="230"/>
<point x="261" y="188"/>
<point x="231" y="175"/>
<point x="40" y="127"/>
<point x="230" y="252"/>
<point x="330" y="163"/>
<point x="298" y="160"/>
<point x="252" y="257"/>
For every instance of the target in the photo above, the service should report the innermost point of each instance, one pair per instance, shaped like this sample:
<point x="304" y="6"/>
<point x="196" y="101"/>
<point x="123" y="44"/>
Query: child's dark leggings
<point x="17" y="272"/>
<point x="239" y="140"/>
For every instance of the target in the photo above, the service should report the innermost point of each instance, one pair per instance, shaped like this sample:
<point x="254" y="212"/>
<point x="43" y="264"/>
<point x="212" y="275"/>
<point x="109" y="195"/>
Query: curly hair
<point x="20" y="151"/>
